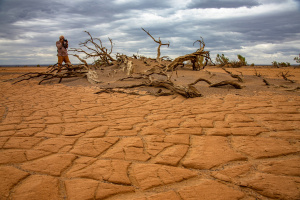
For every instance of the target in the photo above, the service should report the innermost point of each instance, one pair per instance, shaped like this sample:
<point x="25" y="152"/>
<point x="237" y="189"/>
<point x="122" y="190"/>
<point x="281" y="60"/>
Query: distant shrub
<point x="242" y="60"/>
<point x="236" y="64"/>
<point x="222" y="61"/>
<point x="297" y="59"/>
<point x="38" y="66"/>
<point x="280" y="64"/>
<point x="284" y="64"/>
<point x="274" y="64"/>
<point x="252" y="65"/>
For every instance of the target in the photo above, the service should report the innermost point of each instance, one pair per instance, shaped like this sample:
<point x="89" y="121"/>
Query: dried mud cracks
<point x="58" y="143"/>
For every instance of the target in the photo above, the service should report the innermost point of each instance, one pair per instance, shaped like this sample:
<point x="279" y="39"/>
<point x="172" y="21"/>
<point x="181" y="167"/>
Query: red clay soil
<point x="63" y="141"/>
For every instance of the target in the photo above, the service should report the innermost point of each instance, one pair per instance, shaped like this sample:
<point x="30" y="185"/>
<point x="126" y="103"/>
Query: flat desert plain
<point x="63" y="141"/>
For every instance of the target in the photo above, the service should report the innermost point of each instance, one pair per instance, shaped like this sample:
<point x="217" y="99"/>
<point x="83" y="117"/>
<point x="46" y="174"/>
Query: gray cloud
<point x="222" y="4"/>
<point x="30" y="28"/>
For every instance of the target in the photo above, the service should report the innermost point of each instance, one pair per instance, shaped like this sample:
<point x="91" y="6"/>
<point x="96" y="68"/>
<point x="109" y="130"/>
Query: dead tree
<point x="156" y="77"/>
<point x="193" y="57"/>
<point x="158" y="59"/>
<point x="98" y="52"/>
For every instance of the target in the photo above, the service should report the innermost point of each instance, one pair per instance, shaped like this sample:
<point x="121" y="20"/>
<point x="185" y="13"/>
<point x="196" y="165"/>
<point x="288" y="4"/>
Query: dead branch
<point x="67" y="71"/>
<point x="158" y="59"/>
<point x="257" y="73"/>
<point x="193" y="57"/>
<point x="285" y="77"/>
<point x="188" y="92"/>
<point x="201" y="79"/>
<point x="47" y="76"/>
<point x="294" y="90"/>
<point x="222" y="83"/>
<point x="101" y="53"/>
<point x="84" y="62"/>
<point x="266" y="82"/>
<point x="233" y="75"/>
<point x="202" y="44"/>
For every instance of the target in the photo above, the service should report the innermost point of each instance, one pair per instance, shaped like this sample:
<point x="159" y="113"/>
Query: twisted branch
<point x="158" y="59"/>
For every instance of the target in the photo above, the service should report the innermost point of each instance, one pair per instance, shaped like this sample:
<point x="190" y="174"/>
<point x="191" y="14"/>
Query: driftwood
<point x="158" y="59"/>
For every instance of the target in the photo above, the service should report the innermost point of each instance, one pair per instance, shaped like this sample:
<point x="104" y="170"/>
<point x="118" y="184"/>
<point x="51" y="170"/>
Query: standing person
<point x="62" y="52"/>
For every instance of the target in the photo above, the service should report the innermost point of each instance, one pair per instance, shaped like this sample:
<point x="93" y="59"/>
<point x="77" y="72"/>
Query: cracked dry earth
<point x="60" y="142"/>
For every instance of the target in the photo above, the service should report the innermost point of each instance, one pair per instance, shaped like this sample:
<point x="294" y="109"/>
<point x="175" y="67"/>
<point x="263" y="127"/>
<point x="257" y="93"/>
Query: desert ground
<point x="64" y="141"/>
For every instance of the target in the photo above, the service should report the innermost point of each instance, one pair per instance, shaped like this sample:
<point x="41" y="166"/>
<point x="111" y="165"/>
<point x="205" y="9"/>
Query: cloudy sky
<point x="260" y="30"/>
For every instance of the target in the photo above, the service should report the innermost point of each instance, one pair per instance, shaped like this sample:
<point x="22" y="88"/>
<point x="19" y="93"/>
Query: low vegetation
<point x="297" y="59"/>
<point x="280" y="64"/>
<point x="223" y="61"/>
